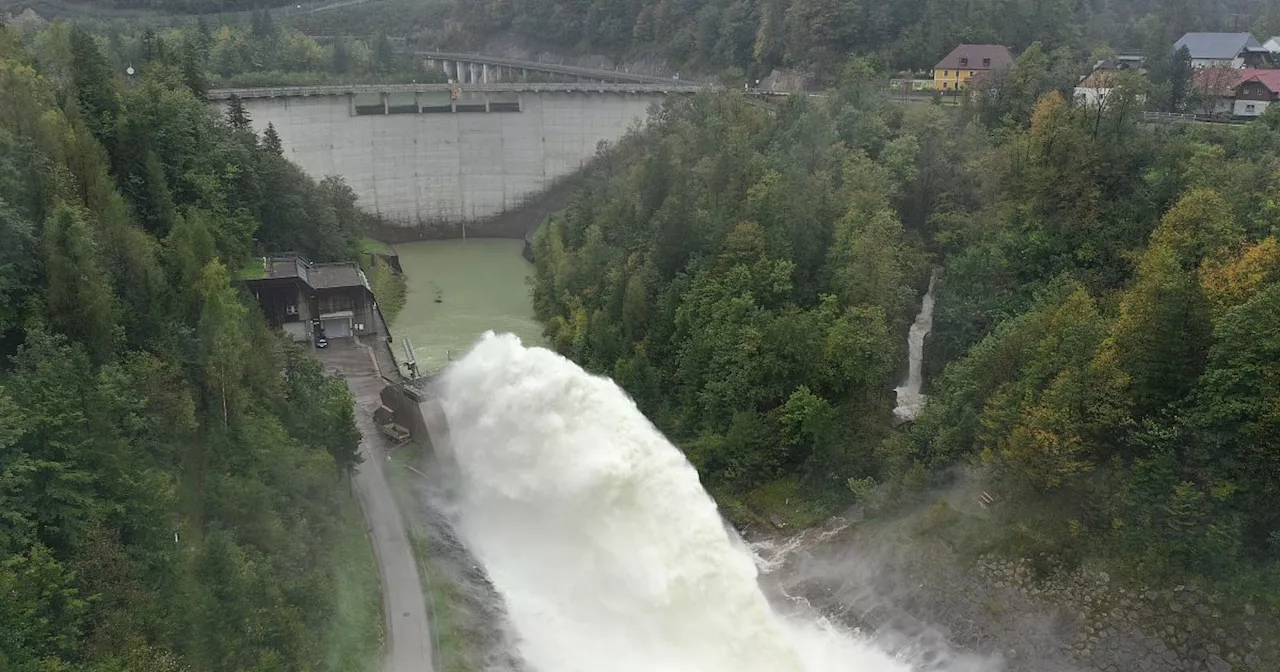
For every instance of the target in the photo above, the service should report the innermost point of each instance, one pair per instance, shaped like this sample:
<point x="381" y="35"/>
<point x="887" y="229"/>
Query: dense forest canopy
<point x="173" y="471"/>
<point x="258" y="52"/>
<point x="758" y="35"/>
<point x="1105" y="345"/>
<point x="737" y="38"/>
<point x="1105" y="355"/>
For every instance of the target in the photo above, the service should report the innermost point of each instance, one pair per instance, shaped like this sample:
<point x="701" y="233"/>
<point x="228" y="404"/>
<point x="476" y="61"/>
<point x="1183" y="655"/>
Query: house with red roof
<point x="1256" y="92"/>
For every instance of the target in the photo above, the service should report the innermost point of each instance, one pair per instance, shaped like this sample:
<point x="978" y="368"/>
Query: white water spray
<point x="910" y="401"/>
<point x="599" y="537"/>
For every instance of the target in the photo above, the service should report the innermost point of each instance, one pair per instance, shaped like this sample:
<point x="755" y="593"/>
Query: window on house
<point x="964" y="61"/>
<point x="1248" y="108"/>
<point x="986" y="62"/>
<point x="291" y="310"/>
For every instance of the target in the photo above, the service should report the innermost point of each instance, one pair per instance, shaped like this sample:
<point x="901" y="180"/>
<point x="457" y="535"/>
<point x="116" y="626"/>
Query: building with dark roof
<point x="1224" y="50"/>
<point x="308" y="299"/>
<point x="967" y="61"/>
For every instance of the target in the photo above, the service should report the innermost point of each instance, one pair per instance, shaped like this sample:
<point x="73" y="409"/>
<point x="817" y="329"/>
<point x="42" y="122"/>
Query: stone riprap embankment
<point x="932" y="606"/>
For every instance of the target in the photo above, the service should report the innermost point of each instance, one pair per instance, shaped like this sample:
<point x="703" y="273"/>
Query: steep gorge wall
<point x="434" y="172"/>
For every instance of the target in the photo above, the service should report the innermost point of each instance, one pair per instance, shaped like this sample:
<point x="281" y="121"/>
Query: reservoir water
<point x="458" y="289"/>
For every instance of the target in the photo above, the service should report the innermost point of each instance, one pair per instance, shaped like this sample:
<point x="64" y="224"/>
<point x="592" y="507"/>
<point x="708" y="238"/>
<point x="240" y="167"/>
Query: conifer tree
<point x="193" y="70"/>
<point x="79" y="298"/>
<point x="237" y="116"/>
<point x="152" y="46"/>
<point x="94" y="86"/>
<point x="271" y="140"/>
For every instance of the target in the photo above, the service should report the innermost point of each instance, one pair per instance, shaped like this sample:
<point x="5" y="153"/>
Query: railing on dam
<point x="358" y="89"/>
<point x="541" y="66"/>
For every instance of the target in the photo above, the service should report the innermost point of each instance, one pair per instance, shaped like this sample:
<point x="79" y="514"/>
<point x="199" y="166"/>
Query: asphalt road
<point x="408" y="631"/>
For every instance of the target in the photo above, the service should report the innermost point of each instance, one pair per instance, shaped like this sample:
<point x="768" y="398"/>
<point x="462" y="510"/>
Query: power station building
<point x="308" y="299"/>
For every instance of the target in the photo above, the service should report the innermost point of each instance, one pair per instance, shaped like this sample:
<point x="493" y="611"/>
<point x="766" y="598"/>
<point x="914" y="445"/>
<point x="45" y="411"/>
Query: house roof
<point x="1216" y="46"/>
<point x="1268" y="78"/>
<point x="330" y="275"/>
<point x="286" y="267"/>
<point x="1102" y="78"/>
<point x="1117" y="64"/>
<point x="981" y="57"/>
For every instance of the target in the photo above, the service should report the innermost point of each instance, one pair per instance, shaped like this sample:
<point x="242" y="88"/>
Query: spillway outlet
<point x="437" y="424"/>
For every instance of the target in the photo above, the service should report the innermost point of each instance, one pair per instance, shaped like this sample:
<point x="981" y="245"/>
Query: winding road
<point x="408" y="631"/>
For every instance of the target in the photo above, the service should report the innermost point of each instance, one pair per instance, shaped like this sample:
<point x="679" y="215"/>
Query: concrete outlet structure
<point x="437" y="154"/>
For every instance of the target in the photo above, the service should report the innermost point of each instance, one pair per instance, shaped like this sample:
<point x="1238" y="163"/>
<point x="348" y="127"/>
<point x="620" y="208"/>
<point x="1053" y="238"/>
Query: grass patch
<point x="254" y="270"/>
<point x="355" y="635"/>
<point x="371" y="246"/>
<point x="450" y="635"/>
<point x="967" y="534"/>
<point x="389" y="288"/>
<point x="784" y="503"/>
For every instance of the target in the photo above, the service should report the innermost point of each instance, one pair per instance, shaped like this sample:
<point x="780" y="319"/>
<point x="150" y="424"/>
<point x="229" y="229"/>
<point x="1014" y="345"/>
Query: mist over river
<point x="592" y="529"/>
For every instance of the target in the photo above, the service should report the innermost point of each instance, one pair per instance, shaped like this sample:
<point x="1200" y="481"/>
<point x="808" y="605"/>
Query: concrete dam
<point x="435" y="156"/>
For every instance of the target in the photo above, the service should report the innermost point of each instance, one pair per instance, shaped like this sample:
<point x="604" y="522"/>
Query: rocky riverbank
<point x="942" y="611"/>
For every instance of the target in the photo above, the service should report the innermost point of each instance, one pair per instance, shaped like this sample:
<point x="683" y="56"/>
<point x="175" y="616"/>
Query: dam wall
<point x="438" y="162"/>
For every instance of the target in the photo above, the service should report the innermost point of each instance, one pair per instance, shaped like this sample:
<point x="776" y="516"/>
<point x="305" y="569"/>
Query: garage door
<point x="339" y="328"/>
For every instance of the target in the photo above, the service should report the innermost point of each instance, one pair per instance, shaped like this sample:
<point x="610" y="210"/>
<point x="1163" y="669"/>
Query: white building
<point x="1095" y="90"/>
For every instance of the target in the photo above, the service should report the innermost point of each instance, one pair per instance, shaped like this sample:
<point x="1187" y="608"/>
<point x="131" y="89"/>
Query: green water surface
<point x="459" y="289"/>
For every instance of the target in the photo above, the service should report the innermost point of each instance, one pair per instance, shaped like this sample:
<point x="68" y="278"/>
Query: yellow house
<point x="966" y="62"/>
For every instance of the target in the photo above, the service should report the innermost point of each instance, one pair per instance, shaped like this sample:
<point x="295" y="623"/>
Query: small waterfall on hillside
<point x="910" y="401"/>
<point x="597" y="534"/>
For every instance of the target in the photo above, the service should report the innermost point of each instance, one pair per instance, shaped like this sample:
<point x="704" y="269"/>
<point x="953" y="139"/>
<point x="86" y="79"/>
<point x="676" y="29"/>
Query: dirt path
<point x="408" y="647"/>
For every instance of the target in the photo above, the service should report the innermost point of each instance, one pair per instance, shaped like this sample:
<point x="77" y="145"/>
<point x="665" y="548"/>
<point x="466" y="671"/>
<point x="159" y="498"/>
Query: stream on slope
<point x="910" y="400"/>
<point x="577" y="526"/>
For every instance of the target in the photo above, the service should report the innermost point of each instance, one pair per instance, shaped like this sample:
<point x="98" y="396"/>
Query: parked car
<point x="321" y="341"/>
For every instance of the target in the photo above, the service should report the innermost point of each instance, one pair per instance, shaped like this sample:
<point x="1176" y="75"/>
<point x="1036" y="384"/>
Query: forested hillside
<point x="1105" y="351"/>
<point x="735" y="39"/>
<point x="757" y="35"/>
<point x="173" y="473"/>
<point x="744" y="280"/>
<point x="260" y="52"/>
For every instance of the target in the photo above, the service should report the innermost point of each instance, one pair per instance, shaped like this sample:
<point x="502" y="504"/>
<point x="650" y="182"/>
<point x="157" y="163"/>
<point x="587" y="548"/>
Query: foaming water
<point x="599" y="537"/>
<point x="910" y="401"/>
